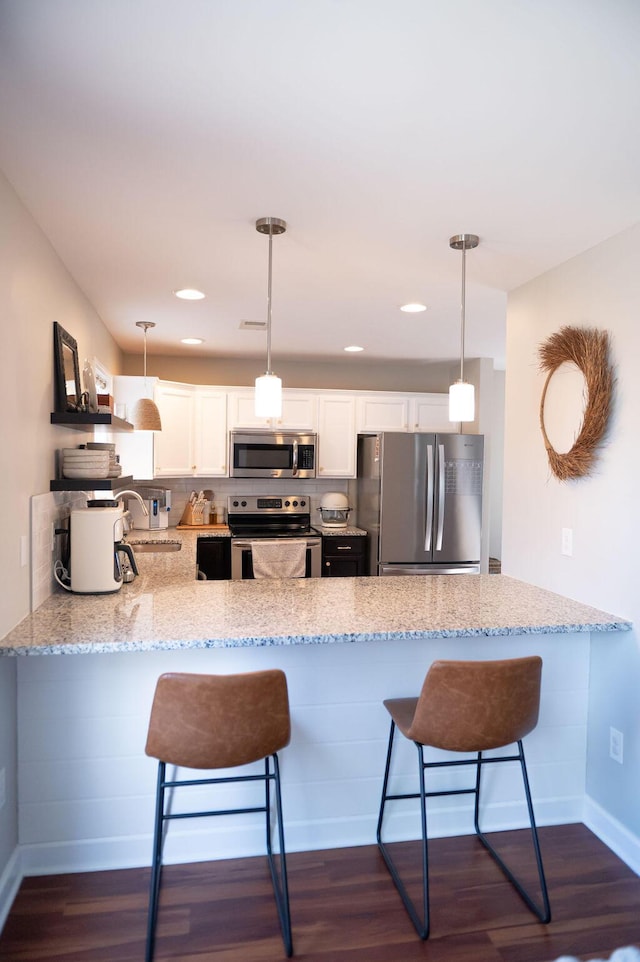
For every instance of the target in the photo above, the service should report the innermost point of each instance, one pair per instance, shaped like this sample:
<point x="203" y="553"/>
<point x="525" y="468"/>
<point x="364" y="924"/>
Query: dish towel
<point x="279" y="558"/>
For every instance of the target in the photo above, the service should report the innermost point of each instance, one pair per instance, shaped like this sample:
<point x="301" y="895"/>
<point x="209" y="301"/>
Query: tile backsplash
<point x="181" y="488"/>
<point x="48" y="512"/>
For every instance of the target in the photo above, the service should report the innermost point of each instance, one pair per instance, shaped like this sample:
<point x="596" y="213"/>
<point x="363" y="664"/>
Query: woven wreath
<point x="588" y="349"/>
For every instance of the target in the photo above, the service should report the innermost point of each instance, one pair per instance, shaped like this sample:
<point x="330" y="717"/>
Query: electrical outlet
<point x="616" y="745"/>
<point x="567" y="542"/>
<point x="3" y="787"/>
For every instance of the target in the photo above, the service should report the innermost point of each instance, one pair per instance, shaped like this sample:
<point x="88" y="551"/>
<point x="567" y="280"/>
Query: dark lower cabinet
<point x="343" y="557"/>
<point x="213" y="556"/>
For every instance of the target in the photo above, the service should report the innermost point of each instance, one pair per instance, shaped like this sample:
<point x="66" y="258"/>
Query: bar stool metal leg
<point x="544" y="912"/>
<point x="280" y="882"/>
<point x="421" y="924"/>
<point x="156" y="866"/>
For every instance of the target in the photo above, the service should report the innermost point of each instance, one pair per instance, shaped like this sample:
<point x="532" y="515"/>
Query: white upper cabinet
<point x="193" y="440"/>
<point x="134" y="448"/>
<point x="383" y="412"/>
<point x="298" y="411"/>
<point x="211" y="451"/>
<point x="173" y="450"/>
<point x="336" y="436"/>
<point x="196" y="420"/>
<point x="430" y="412"/>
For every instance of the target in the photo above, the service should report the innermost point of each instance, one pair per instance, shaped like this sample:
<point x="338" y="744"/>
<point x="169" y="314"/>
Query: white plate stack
<point x="81" y="463"/>
<point x="115" y="469"/>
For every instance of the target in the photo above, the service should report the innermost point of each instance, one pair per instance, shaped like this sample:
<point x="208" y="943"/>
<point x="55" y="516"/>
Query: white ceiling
<point x="147" y="136"/>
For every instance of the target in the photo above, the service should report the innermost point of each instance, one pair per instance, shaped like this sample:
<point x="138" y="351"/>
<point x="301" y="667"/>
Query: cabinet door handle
<point x="344" y="547"/>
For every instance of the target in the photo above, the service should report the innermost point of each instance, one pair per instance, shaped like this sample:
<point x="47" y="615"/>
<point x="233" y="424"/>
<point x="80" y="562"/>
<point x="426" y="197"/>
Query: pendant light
<point x="268" y="397"/>
<point x="145" y="415"/>
<point x="461" y="393"/>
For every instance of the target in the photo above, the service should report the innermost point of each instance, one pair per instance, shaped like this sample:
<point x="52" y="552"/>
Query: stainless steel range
<point x="256" y="517"/>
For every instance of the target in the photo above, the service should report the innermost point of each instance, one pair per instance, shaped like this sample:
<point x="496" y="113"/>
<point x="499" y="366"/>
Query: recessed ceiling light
<point x="192" y="340"/>
<point x="354" y="348"/>
<point x="189" y="294"/>
<point x="413" y="308"/>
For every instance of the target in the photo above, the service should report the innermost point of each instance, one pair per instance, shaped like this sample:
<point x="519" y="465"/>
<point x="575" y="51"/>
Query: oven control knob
<point x="243" y="503"/>
<point x="295" y="504"/>
<point x="236" y="503"/>
<point x="287" y="504"/>
<point x="302" y="503"/>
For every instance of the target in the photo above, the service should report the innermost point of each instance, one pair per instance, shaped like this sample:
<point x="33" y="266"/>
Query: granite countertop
<point x="166" y="608"/>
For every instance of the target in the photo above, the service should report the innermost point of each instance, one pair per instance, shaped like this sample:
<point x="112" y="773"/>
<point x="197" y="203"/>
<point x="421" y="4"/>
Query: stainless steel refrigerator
<point x="420" y="501"/>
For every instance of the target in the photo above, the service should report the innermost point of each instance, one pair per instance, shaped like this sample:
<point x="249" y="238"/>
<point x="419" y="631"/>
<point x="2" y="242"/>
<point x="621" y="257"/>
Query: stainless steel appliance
<point x="254" y="517"/>
<point x="420" y="501"/>
<point x="272" y="454"/>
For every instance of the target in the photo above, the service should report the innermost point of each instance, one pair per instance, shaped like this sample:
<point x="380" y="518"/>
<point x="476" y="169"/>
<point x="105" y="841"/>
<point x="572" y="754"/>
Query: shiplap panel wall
<point x="86" y="786"/>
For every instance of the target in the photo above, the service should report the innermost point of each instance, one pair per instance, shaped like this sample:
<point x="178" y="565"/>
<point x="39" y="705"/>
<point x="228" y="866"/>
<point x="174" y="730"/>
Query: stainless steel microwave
<point x="272" y="454"/>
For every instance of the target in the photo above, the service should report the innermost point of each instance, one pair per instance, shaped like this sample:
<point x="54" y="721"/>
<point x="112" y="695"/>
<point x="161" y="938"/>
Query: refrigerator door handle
<point x="440" y="497"/>
<point x="428" y="532"/>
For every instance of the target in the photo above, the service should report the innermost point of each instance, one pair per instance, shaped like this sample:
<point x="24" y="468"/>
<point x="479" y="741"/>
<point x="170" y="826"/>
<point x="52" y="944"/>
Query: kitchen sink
<point x="144" y="546"/>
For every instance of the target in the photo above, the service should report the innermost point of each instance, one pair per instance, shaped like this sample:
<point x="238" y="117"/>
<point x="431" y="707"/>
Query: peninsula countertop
<point x="167" y="608"/>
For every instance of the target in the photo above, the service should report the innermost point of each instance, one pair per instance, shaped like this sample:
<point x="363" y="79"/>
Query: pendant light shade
<point x="268" y="400"/>
<point x="145" y="415"/>
<point x="462" y="393"/>
<point x="268" y="396"/>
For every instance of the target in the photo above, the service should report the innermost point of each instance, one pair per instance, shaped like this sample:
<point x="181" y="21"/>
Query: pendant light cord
<point x="145" y="362"/>
<point x="269" y="300"/>
<point x="462" y="309"/>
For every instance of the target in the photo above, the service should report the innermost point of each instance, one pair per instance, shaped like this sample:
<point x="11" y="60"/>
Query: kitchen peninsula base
<point x="87" y="789"/>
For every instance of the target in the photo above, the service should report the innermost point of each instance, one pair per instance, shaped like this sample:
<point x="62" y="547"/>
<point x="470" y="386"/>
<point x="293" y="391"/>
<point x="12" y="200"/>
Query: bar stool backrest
<point x="472" y="706"/>
<point x="218" y="721"/>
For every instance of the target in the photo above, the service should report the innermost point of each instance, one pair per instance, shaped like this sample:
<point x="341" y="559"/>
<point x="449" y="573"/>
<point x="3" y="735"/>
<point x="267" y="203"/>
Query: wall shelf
<point x="90" y="484"/>
<point x="83" y="420"/>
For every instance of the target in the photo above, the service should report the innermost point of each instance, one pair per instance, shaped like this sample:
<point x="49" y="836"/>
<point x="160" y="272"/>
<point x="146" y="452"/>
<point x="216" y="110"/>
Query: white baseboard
<point x="218" y="840"/>
<point x="615" y="836"/>
<point x="9" y="884"/>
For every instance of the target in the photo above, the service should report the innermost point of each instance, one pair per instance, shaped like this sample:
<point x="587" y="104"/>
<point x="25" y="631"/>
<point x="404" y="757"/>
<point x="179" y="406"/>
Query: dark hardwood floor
<point x="344" y="908"/>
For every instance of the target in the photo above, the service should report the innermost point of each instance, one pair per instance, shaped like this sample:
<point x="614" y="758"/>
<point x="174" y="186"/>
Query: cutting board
<point x="201" y="527"/>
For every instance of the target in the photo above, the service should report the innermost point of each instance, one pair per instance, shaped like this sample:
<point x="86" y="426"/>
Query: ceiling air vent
<point x="253" y="325"/>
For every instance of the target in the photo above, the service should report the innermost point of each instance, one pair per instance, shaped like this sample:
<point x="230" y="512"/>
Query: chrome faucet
<point x="134" y="494"/>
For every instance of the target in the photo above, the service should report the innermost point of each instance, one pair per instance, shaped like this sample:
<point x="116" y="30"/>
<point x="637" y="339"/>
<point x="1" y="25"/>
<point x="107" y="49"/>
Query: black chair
<point x="467" y="706"/>
<point x="214" y="722"/>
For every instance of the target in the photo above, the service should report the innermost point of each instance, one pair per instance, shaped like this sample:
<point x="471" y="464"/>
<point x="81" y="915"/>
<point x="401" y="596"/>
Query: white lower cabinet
<point x="336" y="436"/>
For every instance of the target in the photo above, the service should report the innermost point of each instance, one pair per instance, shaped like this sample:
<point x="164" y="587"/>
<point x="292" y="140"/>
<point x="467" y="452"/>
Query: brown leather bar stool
<point x="467" y="706"/>
<point x="214" y="722"/>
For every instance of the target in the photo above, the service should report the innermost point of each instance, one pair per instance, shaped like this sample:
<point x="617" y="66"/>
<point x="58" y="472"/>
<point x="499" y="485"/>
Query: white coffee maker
<point x="96" y="548"/>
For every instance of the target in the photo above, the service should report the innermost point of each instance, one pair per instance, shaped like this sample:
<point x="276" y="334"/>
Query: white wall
<point x="600" y="288"/>
<point x="35" y="291"/>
